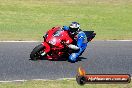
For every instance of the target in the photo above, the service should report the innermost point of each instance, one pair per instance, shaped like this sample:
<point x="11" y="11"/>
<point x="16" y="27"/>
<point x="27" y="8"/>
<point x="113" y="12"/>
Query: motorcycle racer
<point x="68" y="41"/>
<point x="80" y="40"/>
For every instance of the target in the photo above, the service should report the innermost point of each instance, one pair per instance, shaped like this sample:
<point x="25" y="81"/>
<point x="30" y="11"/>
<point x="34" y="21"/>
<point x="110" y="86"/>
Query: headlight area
<point x="52" y="42"/>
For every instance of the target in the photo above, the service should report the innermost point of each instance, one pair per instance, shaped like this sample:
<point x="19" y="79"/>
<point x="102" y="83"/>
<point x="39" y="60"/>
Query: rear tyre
<point x="36" y="53"/>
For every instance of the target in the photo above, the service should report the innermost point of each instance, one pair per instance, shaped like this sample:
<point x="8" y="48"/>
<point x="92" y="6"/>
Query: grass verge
<point x="60" y="84"/>
<point x="29" y="19"/>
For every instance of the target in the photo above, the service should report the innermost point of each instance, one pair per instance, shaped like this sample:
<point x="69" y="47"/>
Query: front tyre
<point x="36" y="53"/>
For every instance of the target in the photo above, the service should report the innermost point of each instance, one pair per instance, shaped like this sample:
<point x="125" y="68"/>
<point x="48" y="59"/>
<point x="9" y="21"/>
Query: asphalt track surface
<point x="100" y="57"/>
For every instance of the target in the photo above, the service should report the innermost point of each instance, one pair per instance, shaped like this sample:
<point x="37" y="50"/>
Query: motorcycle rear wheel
<point x="36" y="52"/>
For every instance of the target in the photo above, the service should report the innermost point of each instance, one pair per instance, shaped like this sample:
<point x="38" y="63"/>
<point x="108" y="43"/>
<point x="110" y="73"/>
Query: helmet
<point x="74" y="27"/>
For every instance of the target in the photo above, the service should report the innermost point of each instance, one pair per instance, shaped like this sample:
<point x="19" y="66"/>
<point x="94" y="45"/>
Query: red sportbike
<point x="55" y="44"/>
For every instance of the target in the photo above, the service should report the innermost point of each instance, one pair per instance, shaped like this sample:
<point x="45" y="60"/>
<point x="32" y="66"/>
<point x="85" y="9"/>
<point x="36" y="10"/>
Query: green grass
<point x="60" y="84"/>
<point x="29" y="19"/>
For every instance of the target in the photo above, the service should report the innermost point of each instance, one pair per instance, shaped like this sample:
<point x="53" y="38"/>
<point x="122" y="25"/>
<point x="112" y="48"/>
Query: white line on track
<point x="94" y="40"/>
<point x="20" y="41"/>
<point x="13" y="81"/>
<point x="36" y="80"/>
<point x="116" y="40"/>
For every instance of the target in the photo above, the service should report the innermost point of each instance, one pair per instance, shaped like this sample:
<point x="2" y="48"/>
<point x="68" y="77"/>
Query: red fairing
<point x="47" y="47"/>
<point x="53" y="40"/>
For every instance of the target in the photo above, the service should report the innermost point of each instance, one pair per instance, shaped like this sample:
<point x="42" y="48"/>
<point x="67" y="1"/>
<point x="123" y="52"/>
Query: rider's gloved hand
<point x="65" y="28"/>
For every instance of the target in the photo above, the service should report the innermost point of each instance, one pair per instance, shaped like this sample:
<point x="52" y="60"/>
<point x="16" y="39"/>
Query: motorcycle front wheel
<point x="36" y="52"/>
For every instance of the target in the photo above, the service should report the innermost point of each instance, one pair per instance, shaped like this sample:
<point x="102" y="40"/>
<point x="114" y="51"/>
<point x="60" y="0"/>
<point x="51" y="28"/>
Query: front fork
<point x="46" y="48"/>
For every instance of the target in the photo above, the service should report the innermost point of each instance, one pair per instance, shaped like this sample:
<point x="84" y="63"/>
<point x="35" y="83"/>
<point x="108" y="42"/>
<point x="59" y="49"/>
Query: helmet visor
<point x="73" y="29"/>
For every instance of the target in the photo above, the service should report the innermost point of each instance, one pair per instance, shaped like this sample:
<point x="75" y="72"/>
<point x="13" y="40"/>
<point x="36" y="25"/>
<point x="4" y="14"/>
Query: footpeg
<point x="42" y="54"/>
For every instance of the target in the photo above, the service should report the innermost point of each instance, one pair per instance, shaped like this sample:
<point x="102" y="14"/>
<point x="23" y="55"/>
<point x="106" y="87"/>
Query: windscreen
<point x="57" y="33"/>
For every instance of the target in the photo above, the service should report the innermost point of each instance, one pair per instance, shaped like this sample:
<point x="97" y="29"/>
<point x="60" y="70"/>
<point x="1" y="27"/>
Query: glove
<point x="65" y="28"/>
